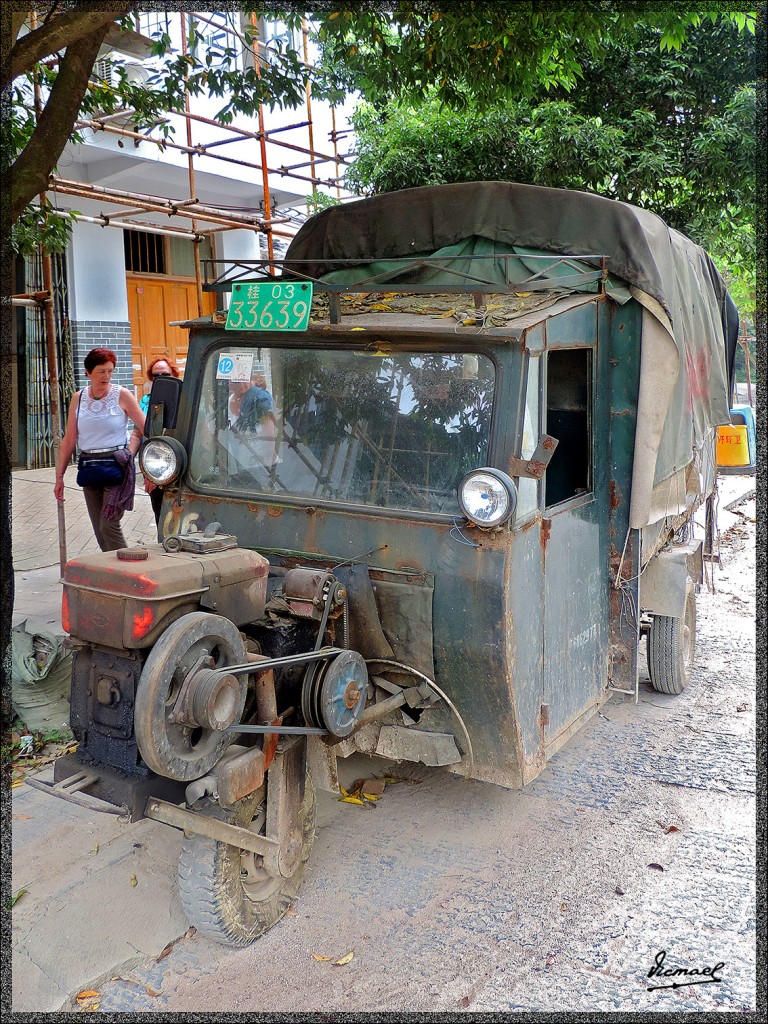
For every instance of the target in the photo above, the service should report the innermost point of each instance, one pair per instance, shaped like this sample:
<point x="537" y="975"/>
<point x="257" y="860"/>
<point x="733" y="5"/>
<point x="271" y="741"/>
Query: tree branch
<point x="29" y="173"/>
<point x="58" y="34"/>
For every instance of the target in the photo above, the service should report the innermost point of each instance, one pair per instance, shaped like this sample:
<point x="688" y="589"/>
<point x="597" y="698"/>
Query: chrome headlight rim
<point x="503" y="486"/>
<point x="163" y="447"/>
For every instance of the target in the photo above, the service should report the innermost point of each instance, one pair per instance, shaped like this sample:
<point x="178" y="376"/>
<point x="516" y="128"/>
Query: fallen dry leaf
<point x="290" y="912"/>
<point x="563" y="907"/>
<point x="134" y="880"/>
<point x="317" y="956"/>
<point x="153" y="992"/>
<point x="343" y="960"/>
<point x="21" y="817"/>
<point x="88" y="993"/>
<point x="373" y="787"/>
<point x="17" y="896"/>
<point x="95" y="849"/>
<point x="167" y="949"/>
<point x="671" y="828"/>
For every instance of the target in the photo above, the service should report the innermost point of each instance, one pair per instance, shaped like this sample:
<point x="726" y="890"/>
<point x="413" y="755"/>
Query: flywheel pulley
<point x="334" y="693"/>
<point x="183" y="708"/>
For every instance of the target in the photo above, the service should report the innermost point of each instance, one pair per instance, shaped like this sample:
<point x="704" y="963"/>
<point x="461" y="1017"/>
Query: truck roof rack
<point x="221" y="275"/>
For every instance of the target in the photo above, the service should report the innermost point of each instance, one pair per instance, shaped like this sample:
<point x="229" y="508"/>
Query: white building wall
<point x="98" y="299"/>
<point x="233" y="246"/>
<point x="97" y="274"/>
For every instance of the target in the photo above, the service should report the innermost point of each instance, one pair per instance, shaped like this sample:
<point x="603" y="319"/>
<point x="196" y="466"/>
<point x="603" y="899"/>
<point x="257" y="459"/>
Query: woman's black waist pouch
<point x="99" y="470"/>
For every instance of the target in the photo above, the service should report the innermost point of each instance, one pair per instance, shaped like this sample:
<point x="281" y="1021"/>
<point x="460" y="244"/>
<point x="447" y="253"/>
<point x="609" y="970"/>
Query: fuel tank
<point x="125" y="599"/>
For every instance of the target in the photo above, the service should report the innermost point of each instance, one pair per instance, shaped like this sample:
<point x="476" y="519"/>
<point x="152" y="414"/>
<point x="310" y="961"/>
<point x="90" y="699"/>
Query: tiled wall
<point x="88" y="334"/>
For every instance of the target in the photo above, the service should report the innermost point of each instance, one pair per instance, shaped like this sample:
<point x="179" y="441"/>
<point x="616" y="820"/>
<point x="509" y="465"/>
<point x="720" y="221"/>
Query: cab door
<point x="574" y="539"/>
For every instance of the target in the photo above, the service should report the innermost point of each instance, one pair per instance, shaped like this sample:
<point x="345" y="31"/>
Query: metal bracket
<point x="67" y="788"/>
<point x="535" y="467"/>
<point x="202" y="825"/>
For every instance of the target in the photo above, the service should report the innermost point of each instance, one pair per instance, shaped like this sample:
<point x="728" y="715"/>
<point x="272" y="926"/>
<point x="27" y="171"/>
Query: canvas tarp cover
<point x="690" y="323"/>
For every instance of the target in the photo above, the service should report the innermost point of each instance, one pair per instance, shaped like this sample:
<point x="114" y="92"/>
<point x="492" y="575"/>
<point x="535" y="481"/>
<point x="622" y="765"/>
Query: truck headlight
<point x="162" y="460"/>
<point x="487" y="497"/>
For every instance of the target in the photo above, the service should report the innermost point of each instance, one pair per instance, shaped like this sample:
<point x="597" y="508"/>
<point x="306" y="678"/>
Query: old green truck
<point x="428" y="483"/>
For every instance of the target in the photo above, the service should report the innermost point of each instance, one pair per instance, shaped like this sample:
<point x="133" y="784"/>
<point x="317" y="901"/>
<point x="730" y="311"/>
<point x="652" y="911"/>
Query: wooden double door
<point x="154" y="303"/>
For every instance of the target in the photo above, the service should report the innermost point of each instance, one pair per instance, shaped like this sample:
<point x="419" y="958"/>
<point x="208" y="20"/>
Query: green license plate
<point x="269" y="306"/>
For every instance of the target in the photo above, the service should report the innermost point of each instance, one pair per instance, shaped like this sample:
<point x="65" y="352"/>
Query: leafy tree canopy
<point x="479" y="53"/>
<point x="670" y="131"/>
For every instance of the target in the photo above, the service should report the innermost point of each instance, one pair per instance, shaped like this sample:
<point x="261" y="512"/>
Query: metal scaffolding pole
<point x="203" y="218"/>
<point x="308" y="91"/>
<point x="191" y="171"/>
<point x="263" y="145"/>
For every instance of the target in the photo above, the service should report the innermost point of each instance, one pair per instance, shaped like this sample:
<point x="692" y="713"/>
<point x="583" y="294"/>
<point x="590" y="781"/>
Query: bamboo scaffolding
<point x="205" y="218"/>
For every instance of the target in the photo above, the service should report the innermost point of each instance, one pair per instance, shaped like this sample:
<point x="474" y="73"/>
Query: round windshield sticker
<point x="235" y="366"/>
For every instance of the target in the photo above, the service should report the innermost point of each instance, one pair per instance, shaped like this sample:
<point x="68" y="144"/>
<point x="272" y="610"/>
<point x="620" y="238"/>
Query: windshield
<point x="364" y="428"/>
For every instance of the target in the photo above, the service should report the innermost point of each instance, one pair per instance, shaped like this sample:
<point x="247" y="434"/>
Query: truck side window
<point x="569" y="419"/>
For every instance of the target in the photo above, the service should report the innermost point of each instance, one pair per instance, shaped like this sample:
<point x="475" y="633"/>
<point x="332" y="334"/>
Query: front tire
<point x="672" y="646"/>
<point x="225" y="891"/>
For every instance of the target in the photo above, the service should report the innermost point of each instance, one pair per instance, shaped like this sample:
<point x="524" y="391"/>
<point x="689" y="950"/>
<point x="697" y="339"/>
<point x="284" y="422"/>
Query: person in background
<point x="160" y="367"/>
<point x="97" y="424"/>
<point x="253" y="422"/>
<point x="249" y="403"/>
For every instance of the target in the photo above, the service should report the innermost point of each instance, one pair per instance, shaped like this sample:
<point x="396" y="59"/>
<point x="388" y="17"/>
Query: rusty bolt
<point x="351" y="695"/>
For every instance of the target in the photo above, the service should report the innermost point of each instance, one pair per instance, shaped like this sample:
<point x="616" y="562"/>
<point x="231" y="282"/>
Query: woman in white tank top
<point x="98" y="422"/>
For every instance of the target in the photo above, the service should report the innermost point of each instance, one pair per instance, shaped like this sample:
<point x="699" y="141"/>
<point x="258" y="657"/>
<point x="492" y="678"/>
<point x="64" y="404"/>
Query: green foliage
<point x="470" y="56"/>
<point x="35" y="228"/>
<point x="484" y="54"/>
<point x="318" y="201"/>
<point x="672" y="132"/>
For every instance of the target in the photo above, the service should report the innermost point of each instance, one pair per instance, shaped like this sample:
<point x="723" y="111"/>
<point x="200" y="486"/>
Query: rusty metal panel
<point x="525" y="646"/>
<point x="577" y="326"/>
<point x="576" y="594"/>
<point x="575" y="615"/>
<point x="240" y="775"/>
<point x="432" y="748"/>
<point x="663" y="580"/>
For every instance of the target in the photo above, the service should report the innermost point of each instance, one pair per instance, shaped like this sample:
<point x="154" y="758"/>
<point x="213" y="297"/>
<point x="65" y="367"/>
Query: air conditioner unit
<point x="105" y="70"/>
<point x="137" y="74"/>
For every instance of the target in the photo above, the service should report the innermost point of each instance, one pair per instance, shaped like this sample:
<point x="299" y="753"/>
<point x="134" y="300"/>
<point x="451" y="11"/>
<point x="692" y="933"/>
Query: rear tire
<point x="672" y="647"/>
<point x="225" y="891"/>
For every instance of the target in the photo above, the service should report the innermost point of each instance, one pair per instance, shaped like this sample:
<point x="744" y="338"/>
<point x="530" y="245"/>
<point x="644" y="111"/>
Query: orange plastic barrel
<point x="732" y="446"/>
